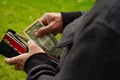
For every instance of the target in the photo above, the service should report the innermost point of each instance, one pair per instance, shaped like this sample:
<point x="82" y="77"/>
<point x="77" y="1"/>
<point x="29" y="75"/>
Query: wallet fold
<point x="11" y="44"/>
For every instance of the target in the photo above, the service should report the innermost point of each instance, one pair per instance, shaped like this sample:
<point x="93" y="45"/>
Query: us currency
<point x="47" y="43"/>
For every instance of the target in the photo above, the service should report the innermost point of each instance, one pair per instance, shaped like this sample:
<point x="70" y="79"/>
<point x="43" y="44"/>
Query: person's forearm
<point x="39" y="66"/>
<point x="68" y="17"/>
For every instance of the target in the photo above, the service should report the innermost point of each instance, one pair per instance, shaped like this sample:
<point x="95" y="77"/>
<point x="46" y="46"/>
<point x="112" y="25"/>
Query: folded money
<point x="47" y="43"/>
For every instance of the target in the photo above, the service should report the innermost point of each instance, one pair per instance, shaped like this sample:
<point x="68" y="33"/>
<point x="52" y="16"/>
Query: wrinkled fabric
<point x="92" y="48"/>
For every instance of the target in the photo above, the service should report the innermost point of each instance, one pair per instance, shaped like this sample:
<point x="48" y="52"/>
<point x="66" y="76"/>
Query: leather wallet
<point x="12" y="44"/>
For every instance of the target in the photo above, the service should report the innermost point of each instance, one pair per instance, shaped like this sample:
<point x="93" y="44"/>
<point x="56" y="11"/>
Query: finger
<point x="16" y="59"/>
<point x="44" y="30"/>
<point x="43" y="20"/>
<point x="30" y="42"/>
<point x="33" y="47"/>
<point x="18" y="67"/>
<point x="10" y="61"/>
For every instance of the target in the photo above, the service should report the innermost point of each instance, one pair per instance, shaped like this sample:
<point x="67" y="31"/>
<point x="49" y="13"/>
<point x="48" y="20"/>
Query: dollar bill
<point x="47" y="43"/>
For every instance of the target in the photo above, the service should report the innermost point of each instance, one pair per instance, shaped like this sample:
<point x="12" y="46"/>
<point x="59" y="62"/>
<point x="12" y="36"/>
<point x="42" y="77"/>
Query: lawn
<point x="18" y="14"/>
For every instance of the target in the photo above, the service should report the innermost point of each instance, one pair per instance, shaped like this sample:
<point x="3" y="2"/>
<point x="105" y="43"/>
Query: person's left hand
<point x="19" y="60"/>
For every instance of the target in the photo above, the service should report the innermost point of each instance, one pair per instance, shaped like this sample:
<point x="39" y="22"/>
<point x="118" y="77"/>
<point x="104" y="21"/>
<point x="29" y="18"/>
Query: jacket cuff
<point x="68" y="17"/>
<point x="35" y="60"/>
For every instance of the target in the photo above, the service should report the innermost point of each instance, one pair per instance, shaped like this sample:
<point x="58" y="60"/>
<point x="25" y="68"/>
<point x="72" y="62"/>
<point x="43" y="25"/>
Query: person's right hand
<point x="53" y="24"/>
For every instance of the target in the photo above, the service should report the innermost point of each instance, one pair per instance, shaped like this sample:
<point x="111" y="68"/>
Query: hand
<point x="19" y="61"/>
<point x="53" y="24"/>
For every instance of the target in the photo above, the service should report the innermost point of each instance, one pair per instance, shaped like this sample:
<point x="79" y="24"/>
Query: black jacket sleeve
<point x="38" y="65"/>
<point x="68" y="17"/>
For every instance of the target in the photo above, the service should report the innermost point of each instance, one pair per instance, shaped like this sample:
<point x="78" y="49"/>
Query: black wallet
<point x="13" y="44"/>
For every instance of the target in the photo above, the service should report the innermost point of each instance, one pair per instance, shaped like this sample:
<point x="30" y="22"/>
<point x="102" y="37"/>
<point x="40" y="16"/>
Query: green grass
<point x="18" y="14"/>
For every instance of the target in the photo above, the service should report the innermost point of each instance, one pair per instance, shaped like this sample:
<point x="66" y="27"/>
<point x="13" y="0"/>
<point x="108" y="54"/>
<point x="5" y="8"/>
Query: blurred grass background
<point x="18" y="14"/>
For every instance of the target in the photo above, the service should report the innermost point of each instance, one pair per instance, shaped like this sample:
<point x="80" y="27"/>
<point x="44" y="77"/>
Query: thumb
<point x="31" y="43"/>
<point x="44" y="30"/>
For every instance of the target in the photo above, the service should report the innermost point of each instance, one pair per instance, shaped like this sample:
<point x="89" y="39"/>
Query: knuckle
<point x="46" y="14"/>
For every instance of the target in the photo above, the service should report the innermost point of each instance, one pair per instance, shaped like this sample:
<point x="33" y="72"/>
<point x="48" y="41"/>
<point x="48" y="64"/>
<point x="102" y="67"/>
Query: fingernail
<point x="36" y="34"/>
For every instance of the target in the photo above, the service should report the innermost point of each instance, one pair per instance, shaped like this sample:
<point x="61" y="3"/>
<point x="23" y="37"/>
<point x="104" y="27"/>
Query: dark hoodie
<point x="92" y="47"/>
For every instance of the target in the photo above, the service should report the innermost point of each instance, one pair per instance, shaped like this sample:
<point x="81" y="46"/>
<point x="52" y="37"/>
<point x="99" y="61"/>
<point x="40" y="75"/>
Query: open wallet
<point x="13" y="44"/>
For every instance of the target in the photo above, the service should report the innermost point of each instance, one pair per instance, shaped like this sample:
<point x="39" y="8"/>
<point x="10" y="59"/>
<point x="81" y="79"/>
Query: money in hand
<point x="47" y="43"/>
